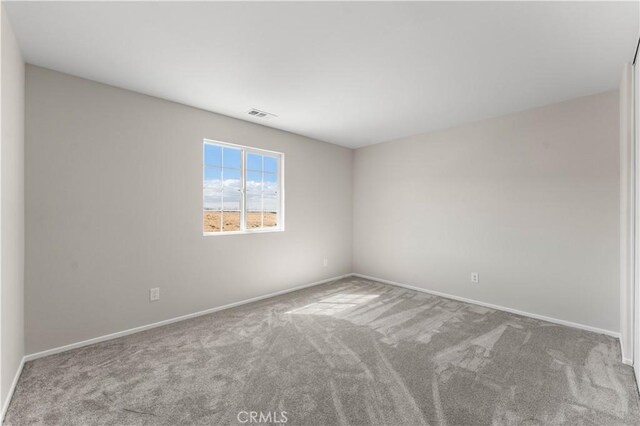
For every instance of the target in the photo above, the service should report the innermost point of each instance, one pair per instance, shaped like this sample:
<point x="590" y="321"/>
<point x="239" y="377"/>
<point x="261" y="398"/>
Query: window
<point x="242" y="189"/>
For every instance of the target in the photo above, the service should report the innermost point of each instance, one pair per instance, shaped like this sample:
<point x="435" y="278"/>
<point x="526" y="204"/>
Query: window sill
<point x="256" y="231"/>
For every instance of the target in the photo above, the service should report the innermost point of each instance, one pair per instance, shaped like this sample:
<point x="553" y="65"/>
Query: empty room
<point x="320" y="213"/>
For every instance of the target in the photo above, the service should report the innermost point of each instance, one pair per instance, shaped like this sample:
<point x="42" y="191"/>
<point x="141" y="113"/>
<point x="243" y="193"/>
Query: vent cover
<point x="260" y="114"/>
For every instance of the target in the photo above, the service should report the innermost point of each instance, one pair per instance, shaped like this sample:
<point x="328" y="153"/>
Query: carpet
<point x="349" y="352"/>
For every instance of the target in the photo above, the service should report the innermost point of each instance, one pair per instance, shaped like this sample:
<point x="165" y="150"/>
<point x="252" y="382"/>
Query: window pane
<point x="271" y="209"/>
<point x="212" y="200"/>
<point x="262" y="196"/>
<point x="213" y="177"/>
<point x="270" y="164"/>
<point x="254" y="182"/>
<point x="230" y="221"/>
<point x="223" y="182"/>
<point x="254" y="219"/>
<point x="212" y="155"/>
<point x="231" y="178"/>
<point x="231" y="158"/>
<point x="270" y="219"/>
<point x="231" y="199"/>
<point x="270" y="201"/>
<point x="212" y="221"/>
<point x="212" y="188"/>
<point x="269" y="182"/>
<point x="232" y="190"/>
<point x="254" y="201"/>
<point x="231" y="196"/>
<point x="254" y="162"/>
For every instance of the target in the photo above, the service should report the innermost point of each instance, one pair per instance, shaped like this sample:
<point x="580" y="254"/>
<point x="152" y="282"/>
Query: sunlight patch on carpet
<point x="334" y="304"/>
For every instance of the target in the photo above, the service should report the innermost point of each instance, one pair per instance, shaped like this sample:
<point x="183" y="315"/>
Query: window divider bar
<point x="262" y="193"/>
<point x="243" y="186"/>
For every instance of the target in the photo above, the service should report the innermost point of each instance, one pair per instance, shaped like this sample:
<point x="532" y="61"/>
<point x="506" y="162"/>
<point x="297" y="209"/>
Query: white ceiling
<point x="348" y="73"/>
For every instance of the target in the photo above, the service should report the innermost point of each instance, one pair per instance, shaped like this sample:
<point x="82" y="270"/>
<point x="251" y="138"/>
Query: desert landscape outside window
<point x="242" y="189"/>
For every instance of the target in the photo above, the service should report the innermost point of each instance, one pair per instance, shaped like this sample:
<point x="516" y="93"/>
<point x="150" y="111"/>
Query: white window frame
<point x="244" y="150"/>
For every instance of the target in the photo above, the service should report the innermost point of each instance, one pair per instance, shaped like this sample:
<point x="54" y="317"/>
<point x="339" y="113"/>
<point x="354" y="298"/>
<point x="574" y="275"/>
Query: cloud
<point x="226" y="194"/>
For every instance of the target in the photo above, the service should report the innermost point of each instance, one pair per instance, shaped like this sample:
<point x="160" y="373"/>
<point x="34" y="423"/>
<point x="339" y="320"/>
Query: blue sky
<point x="222" y="179"/>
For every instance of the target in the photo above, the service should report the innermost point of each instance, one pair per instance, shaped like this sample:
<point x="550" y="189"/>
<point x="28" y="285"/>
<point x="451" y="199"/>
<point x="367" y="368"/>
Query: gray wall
<point x="12" y="208"/>
<point x="114" y="207"/>
<point x="530" y="201"/>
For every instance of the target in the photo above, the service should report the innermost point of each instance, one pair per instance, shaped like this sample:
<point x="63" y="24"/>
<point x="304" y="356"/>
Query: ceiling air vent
<point x="260" y="114"/>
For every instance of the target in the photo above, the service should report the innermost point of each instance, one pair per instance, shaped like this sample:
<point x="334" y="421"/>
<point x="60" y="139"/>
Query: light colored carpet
<point x="349" y="352"/>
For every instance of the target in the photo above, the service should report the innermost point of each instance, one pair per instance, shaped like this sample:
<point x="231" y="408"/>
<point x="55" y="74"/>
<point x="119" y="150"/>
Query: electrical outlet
<point x="325" y="262"/>
<point x="475" y="278"/>
<point x="154" y="294"/>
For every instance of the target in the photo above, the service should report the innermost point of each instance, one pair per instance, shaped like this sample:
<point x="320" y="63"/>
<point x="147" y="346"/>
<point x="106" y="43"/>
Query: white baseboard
<point x="7" y="401"/>
<point x="492" y="306"/>
<point x="627" y="361"/>
<point x="111" y="336"/>
<point x="106" y="337"/>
